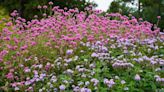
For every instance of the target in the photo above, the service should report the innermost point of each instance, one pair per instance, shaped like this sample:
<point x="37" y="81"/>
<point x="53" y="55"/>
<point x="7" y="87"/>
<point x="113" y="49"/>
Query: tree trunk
<point x="159" y="7"/>
<point x="139" y="8"/>
<point x="22" y="7"/>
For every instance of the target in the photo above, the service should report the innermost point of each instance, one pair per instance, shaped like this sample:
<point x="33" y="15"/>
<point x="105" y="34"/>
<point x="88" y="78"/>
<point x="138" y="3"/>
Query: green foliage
<point x="28" y="8"/>
<point x="121" y="7"/>
<point x="149" y="9"/>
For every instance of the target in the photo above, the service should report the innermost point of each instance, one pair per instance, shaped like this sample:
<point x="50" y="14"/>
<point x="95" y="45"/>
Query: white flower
<point x="137" y="77"/>
<point x="36" y="58"/>
<point x="126" y="88"/>
<point x="123" y="82"/>
<point x="40" y="66"/>
<point x="76" y="58"/>
<point x="16" y="88"/>
<point x="40" y="90"/>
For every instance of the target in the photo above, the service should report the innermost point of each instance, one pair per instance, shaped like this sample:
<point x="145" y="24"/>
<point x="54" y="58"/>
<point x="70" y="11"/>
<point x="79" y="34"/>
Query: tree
<point x="121" y="7"/>
<point x="28" y="8"/>
<point x="147" y="9"/>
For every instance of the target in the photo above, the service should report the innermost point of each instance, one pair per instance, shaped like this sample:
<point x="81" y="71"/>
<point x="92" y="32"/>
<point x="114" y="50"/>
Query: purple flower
<point x="95" y="81"/>
<point x="109" y="83"/>
<point x="85" y="90"/>
<point x="94" y="55"/>
<point x="69" y="52"/>
<point x="62" y="87"/>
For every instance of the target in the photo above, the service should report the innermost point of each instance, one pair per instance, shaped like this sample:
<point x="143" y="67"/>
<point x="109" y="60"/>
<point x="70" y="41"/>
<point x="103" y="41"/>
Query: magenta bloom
<point x="50" y="3"/>
<point x="10" y="76"/>
<point x="45" y="7"/>
<point x="159" y="17"/>
<point x="24" y="47"/>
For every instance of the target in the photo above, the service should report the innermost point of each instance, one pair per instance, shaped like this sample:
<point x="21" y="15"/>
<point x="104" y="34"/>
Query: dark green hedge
<point x="28" y="8"/>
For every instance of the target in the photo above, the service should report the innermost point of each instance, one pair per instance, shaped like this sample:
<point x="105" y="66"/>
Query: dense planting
<point x="81" y="52"/>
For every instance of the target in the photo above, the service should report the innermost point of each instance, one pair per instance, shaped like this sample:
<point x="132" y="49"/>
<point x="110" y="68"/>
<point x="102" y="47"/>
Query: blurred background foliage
<point x="146" y="9"/>
<point x="3" y="13"/>
<point x="28" y="8"/>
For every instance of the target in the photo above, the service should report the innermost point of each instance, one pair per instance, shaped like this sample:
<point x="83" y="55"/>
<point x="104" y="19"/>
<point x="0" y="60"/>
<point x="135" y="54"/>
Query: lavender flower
<point x="137" y="77"/>
<point x="85" y="90"/>
<point x="62" y="87"/>
<point x="94" y="55"/>
<point x="69" y="52"/>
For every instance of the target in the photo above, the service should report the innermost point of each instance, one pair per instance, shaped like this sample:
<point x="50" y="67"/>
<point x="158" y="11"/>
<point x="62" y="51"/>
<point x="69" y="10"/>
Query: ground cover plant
<point x="71" y="50"/>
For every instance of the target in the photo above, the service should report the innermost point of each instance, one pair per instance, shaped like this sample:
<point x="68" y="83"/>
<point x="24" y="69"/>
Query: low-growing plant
<point x="80" y="51"/>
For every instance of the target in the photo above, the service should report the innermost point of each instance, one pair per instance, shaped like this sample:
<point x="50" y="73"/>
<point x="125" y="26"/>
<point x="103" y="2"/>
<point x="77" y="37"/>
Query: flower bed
<point x="73" y="51"/>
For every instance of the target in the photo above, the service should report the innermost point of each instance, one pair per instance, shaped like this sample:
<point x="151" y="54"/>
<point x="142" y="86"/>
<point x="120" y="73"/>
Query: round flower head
<point x="45" y="7"/>
<point x="50" y="3"/>
<point x="62" y="87"/>
<point x="85" y="90"/>
<point x="158" y="17"/>
<point x="69" y="52"/>
<point x="39" y="7"/>
<point x="137" y="77"/>
<point x="94" y="55"/>
<point x="123" y="82"/>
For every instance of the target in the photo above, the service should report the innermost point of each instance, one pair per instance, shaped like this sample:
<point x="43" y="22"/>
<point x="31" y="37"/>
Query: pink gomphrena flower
<point x="55" y="8"/>
<point x="44" y="14"/>
<point x="36" y="16"/>
<point x="9" y="46"/>
<point x="18" y="53"/>
<point x="14" y="13"/>
<point x="3" y="53"/>
<point x="50" y="3"/>
<point x="33" y="43"/>
<point x="48" y="66"/>
<point x="9" y="23"/>
<point x="45" y="7"/>
<point x="140" y="19"/>
<point x="24" y="47"/>
<point x="39" y="7"/>
<point x="10" y="76"/>
<point x="65" y="8"/>
<point x="7" y="38"/>
<point x="15" y="40"/>
<point x="159" y="17"/>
